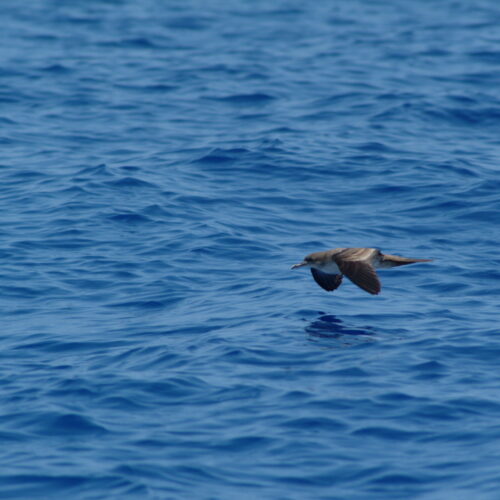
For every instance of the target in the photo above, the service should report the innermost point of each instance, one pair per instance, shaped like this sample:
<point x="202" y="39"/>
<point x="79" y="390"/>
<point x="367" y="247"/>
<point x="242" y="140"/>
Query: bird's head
<point x="309" y="261"/>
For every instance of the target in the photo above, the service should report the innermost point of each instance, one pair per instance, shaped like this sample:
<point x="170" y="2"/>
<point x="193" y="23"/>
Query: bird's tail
<point x="394" y="260"/>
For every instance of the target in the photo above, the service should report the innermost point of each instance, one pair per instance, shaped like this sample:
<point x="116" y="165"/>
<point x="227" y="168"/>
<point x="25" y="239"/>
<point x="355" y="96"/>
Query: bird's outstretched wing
<point x="358" y="268"/>
<point x="329" y="282"/>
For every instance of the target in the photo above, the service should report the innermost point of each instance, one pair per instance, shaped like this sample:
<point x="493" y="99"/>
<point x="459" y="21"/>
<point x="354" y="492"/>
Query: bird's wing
<point x="367" y="254"/>
<point x="358" y="268"/>
<point x="327" y="281"/>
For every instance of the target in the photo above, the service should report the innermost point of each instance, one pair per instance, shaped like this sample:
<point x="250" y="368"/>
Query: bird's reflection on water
<point x="328" y="326"/>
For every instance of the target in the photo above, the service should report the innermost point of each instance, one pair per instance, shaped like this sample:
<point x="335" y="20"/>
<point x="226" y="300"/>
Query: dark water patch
<point x="157" y="210"/>
<point x="476" y="405"/>
<point x="43" y="485"/>
<point x="139" y="43"/>
<point x="89" y="284"/>
<point x="148" y="304"/>
<point x="74" y="425"/>
<point x="399" y="480"/>
<point x="245" y="444"/>
<point x="15" y="437"/>
<point x="70" y="346"/>
<point x="71" y="425"/>
<point x="254" y="99"/>
<point x="159" y="88"/>
<point x="328" y="326"/>
<point x="376" y="147"/>
<point x="428" y="371"/>
<point x="488" y="56"/>
<point x="130" y="182"/>
<point x="351" y="372"/>
<point x="129" y="218"/>
<point x="121" y="404"/>
<point x="58" y="69"/>
<point x="221" y="156"/>
<point x="437" y="412"/>
<point x="28" y="175"/>
<point x="21" y="291"/>
<point x="315" y="425"/>
<point x="398" y="397"/>
<point x="66" y="243"/>
<point x="90" y="172"/>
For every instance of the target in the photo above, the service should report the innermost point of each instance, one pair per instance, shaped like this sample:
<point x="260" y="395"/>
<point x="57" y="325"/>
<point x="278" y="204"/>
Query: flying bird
<point x="358" y="264"/>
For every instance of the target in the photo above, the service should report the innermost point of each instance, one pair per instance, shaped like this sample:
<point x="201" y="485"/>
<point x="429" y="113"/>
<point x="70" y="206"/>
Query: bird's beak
<point x="300" y="264"/>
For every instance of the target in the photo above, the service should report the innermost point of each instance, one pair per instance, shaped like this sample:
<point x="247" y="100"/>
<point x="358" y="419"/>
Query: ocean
<point x="163" y="165"/>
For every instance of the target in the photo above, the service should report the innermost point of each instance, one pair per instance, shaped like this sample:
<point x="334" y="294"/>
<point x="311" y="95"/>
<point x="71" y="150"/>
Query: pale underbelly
<point x="330" y="268"/>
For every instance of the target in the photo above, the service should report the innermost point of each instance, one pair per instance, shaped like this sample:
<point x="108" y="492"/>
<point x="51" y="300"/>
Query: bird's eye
<point x="308" y="259"/>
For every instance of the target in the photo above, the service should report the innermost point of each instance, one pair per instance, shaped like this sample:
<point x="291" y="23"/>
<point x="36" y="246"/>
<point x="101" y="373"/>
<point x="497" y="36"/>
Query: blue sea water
<point x="163" y="164"/>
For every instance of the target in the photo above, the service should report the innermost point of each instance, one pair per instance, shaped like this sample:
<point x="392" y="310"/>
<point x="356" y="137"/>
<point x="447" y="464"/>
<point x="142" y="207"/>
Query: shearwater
<point x="358" y="264"/>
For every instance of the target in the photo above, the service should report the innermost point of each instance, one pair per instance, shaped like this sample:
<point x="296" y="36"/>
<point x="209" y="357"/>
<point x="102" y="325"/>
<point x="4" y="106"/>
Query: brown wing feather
<point x="361" y="273"/>
<point x="327" y="281"/>
<point x="358" y="254"/>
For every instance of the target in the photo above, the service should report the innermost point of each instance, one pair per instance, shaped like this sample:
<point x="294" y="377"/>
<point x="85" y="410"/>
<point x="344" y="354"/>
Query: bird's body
<point x="358" y="264"/>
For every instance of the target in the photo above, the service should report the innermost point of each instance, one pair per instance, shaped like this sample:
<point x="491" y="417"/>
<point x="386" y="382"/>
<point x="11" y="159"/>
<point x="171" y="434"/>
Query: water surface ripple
<point x="163" y="165"/>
